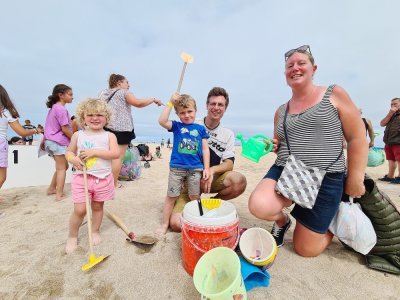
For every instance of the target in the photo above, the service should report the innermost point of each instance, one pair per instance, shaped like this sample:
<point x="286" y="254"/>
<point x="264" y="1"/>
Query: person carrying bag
<point x="299" y="182"/>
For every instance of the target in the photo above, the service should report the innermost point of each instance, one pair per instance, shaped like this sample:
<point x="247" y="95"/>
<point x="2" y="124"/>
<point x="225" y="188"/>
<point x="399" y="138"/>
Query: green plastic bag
<point x="376" y="157"/>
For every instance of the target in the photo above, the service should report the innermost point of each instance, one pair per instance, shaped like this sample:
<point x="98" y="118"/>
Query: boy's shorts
<point x="326" y="205"/>
<point x="3" y="153"/>
<point x="177" y="177"/>
<point x="53" y="148"/>
<point x="392" y="152"/>
<point x="216" y="186"/>
<point x="99" y="189"/>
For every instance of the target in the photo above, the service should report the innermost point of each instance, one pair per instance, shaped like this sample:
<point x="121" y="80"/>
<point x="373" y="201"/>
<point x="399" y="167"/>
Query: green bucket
<point x="217" y="275"/>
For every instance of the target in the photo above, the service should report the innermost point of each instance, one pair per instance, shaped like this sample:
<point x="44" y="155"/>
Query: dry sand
<point x="34" y="230"/>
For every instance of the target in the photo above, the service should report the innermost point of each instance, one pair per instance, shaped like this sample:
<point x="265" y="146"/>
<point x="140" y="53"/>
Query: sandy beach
<point x="34" y="230"/>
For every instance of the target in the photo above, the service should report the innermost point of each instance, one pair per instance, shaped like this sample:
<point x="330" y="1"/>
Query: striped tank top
<point x="315" y="136"/>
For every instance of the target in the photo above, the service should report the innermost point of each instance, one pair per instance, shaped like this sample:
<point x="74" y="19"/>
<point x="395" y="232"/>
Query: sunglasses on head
<point x="301" y="49"/>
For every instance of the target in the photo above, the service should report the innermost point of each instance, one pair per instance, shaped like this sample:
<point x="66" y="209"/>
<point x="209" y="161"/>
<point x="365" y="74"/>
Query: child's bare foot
<point x="162" y="230"/>
<point x="72" y="244"/>
<point x="96" y="238"/>
<point x="60" y="197"/>
<point x="51" y="191"/>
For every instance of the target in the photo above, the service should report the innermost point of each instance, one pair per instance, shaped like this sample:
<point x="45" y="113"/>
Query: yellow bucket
<point x="258" y="247"/>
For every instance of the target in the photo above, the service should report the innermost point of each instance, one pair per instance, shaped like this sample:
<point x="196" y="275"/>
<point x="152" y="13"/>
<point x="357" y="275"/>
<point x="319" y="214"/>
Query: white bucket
<point x="258" y="247"/>
<point x="224" y="214"/>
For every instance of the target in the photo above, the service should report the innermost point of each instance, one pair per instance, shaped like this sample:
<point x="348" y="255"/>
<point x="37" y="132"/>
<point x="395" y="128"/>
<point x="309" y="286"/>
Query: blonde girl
<point x="95" y="148"/>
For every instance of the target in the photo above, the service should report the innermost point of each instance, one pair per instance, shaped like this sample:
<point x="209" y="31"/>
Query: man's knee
<point x="236" y="183"/>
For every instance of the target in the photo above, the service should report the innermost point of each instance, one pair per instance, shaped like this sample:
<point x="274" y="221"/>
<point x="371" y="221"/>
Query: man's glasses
<point x="301" y="49"/>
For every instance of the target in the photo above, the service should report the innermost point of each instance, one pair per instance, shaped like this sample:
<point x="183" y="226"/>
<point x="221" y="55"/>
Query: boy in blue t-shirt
<point x="190" y="158"/>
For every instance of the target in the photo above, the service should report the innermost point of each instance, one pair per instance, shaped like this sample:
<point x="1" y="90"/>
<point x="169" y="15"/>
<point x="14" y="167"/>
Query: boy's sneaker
<point x="279" y="232"/>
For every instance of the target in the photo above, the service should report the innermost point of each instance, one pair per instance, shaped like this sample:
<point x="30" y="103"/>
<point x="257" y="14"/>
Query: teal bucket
<point x="217" y="275"/>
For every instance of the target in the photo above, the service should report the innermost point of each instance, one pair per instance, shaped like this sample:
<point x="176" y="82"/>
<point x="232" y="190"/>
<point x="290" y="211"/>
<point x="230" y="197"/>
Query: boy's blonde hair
<point x="185" y="101"/>
<point x="92" y="106"/>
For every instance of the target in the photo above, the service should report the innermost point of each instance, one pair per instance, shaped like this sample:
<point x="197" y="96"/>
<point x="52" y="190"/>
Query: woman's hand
<point x="276" y="143"/>
<point x="157" y="102"/>
<point x="354" y="188"/>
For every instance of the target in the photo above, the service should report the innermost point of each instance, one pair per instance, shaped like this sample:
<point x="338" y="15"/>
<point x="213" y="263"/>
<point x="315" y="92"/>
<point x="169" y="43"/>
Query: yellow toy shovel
<point x="187" y="59"/>
<point x="93" y="260"/>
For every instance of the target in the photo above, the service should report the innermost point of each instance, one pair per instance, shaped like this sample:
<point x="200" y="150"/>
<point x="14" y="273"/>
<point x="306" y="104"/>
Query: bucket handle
<point x="197" y="247"/>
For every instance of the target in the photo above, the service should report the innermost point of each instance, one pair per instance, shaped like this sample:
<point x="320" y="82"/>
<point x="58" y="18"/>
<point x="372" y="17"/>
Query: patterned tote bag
<point x="299" y="182"/>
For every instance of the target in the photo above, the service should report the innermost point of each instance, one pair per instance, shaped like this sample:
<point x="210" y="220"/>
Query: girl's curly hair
<point x="92" y="106"/>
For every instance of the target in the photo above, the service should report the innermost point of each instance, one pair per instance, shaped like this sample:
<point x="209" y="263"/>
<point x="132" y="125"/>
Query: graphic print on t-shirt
<point x="90" y="162"/>
<point x="187" y="145"/>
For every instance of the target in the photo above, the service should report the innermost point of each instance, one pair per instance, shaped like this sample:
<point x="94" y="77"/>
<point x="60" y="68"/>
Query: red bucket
<point x="219" y="228"/>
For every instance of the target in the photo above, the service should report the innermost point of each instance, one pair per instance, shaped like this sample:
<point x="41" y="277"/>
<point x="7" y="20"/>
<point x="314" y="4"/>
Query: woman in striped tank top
<point x="318" y="120"/>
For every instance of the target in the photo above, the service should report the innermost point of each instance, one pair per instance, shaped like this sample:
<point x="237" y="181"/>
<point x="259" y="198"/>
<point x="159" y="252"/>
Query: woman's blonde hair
<point x="92" y="106"/>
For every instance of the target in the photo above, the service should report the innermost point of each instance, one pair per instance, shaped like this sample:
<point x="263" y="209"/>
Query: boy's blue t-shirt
<point x="187" y="150"/>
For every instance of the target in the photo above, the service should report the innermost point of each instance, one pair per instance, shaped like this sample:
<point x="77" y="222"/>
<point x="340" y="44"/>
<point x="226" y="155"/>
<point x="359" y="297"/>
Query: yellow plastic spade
<point x="187" y="59"/>
<point x="93" y="260"/>
<point x="211" y="203"/>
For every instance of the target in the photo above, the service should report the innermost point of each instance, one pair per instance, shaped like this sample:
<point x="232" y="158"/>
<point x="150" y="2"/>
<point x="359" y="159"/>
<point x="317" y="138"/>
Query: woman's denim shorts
<point x="329" y="196"/>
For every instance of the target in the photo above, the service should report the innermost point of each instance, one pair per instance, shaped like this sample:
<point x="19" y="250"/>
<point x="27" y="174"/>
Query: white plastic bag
<point x="353" y="227"/>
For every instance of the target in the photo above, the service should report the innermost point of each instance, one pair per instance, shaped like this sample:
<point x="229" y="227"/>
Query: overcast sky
<point x="238" y="45"/>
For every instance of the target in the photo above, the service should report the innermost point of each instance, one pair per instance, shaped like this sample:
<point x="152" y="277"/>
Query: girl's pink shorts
<point x="100" y="189"/>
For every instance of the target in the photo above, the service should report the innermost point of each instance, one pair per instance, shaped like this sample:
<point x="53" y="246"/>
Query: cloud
<point x="236" y="44"/>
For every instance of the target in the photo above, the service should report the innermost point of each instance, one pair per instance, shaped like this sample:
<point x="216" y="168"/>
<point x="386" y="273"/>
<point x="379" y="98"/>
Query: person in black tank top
<point x="318" y="118"/>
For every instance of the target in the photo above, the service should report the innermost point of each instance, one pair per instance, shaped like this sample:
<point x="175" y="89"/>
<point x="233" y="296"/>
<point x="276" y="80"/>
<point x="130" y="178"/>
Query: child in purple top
<point x="57" y="135"/>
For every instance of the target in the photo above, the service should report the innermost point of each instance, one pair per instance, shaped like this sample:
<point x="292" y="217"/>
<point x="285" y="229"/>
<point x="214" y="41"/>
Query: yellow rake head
<point x="211" y="203"/>
<point x="93" y="261"/>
